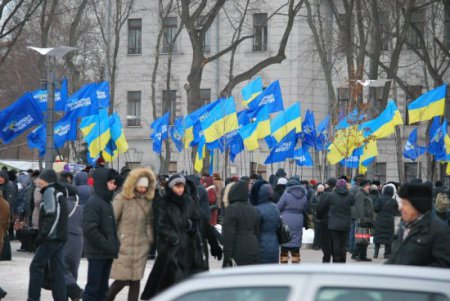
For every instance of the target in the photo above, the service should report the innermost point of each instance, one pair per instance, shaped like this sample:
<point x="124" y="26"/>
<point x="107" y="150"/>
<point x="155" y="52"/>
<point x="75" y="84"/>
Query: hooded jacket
<point x="364" y="209"/>
<point x="83" y="189"/>
<point x="134" y="218"/>
<point x="240" y="226"/>
<point x="387" y="209"/>
<point x="338" y="203"/>
<point x="292" y="206"/>
<point x="99" y="225"/>
<point x="9" y="191"/>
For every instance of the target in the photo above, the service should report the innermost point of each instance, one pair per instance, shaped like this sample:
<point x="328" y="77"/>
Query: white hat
<point x="282" y="181"/>
<point x="142" y="182"/>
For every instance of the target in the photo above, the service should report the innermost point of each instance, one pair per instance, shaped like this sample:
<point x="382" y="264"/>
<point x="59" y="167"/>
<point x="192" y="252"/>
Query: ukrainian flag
<point x="117" y="133"/>
<point x="249" y="135"/>
<point x="110" y="152"/>
<point x="198" y="163"/>
<point x="263" y="121"/>
<point x="344" y="143"/>
<point x="87" y="123"/>
<point x="191" y="119"/>
<point x="428" y="105"/>
<point x="384" y="124"/>
<point x="252" y="90"/>
<point x="286" y="121"/>
<point x="221" y="120"/>
<point x="369" y="152"/>
<point x="100" y="134"/>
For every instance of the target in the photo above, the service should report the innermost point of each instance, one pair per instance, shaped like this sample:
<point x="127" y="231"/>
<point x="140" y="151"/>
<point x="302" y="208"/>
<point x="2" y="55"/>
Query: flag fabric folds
<point x="252" y="90"/>
<point x="221" y="120"/>
<point x="384" y="124"/>
<point x="270" y="97"/>
<point x="309" y="130"/>
<point x="263" y="122"/>
<point x="61" y="95"/>
<point x="100" y="134"/>
<point x="110" y="152"/>
<point x="286" y="121"/>
<point x="437" y="144"/>
<point x="412" y="150"/>
<point x="65" y="130"/>
<point x="435" y="125"/>
<point x="428" y="105"/>
<point x="201" y="150"/>
<point x="344" y="143"/>
<point x="83" y="103"/>
<point x="177" y="132"/>
<point x="250" y="136"/>
<point x="192" y="124"/>
<point x="160" y="132"/>
<point x="303" y="157"/>
<point x="118" y="140"/>
<point x="19" y="117"/>
<point x="37" y="138"/>
<point x="103" y="96"/>
<point x="322" y="129"/>
<point x="284" y="149"/>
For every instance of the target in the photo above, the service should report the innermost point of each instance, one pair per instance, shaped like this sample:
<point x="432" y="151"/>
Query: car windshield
<point x="239" y="294"/>
<point x="373" y="294"/>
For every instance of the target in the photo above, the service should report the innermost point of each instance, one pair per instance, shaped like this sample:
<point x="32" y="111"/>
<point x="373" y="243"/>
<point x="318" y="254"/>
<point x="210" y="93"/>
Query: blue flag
<point x="284" y="149"/>
<point x="160" y="132"/>
<point x="61" y="95"/>
<point x="36" y="139"/>
<point x="322" y="129"/>
<point x="434" y="127"/>
<point x="351" y="119"/>
<point x="19" y="117"/>
<point x="412" y="150"/>
<point x="103" y="95"/>
<point x="65" y="130"/>
<point x="353" y="160"/>
<point x="177" y="132"/>
<point x="437" y="144"/>
<point x="270" y="97"/>
<point x="302" y="157"/>
<point x="83" y="103"/>
<point x="309" y="130"/>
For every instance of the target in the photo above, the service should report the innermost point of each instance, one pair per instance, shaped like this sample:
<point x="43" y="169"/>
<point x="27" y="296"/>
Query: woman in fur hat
<point x="133" y="213"/>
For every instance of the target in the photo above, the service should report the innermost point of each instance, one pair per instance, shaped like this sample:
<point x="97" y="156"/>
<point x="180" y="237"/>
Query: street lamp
<point x="52" y="54"/>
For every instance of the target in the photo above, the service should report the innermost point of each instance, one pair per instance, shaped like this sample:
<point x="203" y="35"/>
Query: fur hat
<point x="341" y="183"/>
<point x="48" y="175"/>
<point x="419" y="195"/>
<point x="176" y="179"/>
<point x="238" y="192"/>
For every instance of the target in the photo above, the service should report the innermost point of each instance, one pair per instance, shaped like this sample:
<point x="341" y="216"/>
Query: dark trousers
<point x="325" y="243"/>
<point x="360" y="251"/>
<point x="351" y="237"/>
<point x="339" y="244"/>
<point x="317" y="232"/>
<point x="387" y="250"/>
<point x="97" y="282"/>
<point x="118" y="285"/>
<point x="51" y="253"/>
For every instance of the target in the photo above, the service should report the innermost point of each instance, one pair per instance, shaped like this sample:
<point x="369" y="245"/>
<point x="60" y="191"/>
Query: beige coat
<point x="134" y="220"/>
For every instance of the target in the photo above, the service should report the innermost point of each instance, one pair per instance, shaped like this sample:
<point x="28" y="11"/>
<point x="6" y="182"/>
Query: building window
<point x="169" y="102"/>
<point x="134" y="108"/>
<point x="205" y="96"/>
<point x="411" y="171"/>
<point x="417" y="22"/>
<point x="412" y="93"/>
<point x="380" y="172"/>
<point x="260" y="32"/>
<point x="385" y="30"/>
<point x="170" y="30"/>
<point x="172" y="167"/>
<point x="135" y="36"/>
<point x="207" y="38"/>
<point x="377" y="97"/>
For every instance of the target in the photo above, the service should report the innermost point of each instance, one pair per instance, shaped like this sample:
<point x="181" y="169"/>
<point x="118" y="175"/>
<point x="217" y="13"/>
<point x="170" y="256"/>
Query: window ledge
<point x="134" y="126"/>
<point x="134" y="54"/>
<point x="173" y="53"/>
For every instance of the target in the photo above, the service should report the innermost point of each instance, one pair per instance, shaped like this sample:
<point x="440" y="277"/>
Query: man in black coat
<point x="322" y="221"/>
<point x="100" y="233"/>
<point x="422" y="239"/>
<point x="364" y="214"/>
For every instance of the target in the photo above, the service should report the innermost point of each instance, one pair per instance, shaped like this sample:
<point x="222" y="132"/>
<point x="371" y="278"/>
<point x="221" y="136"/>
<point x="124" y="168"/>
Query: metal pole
<point x="49" y="143"/>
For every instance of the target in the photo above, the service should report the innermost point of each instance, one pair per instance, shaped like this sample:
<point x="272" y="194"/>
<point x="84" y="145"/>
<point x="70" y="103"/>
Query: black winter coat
<point x="99" y="224"/>
<point x="322" y="215"/>
<point x="363" y="209"/>
<point x="278" y="192"/>
<point x="338" y="203"/>
<point x="269" y="223"/>
<point x="427" y="244"/>
<point x="240" y="233"/>
<point x="9" y="192"/>
<point x="386" y="209"/>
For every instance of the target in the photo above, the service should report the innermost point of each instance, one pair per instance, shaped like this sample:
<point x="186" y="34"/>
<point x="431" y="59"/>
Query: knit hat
<point x="176" y="179"/>
<point x="313" y="182"/>
<point x="341" y="183"/>
<point x="142" y="182"/>
<point x="48" y="175"/>
<point x="280" y="172"/>
<point x="364" y="182"/>
<point x="292" y="182"/>
<point x="282" y="181"/>
<point x="419" y="195"/>
<point x="331" y="182"/>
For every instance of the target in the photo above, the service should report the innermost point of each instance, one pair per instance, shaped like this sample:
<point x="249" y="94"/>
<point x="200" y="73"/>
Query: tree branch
<point x="229" y="48"/>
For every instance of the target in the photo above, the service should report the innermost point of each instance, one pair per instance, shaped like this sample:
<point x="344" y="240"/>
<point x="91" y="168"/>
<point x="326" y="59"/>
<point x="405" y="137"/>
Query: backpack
<point x="442" y="203"/>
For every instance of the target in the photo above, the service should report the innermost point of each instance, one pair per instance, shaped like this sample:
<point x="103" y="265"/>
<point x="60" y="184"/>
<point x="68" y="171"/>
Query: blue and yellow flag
<point x="117" y="134"/>
<point x="221" y="120"/>
<point x="286" y="121"/>
<point x="428" y="105"/>
<point x="192" y="126"/>
<point x="110" y="152"/>
<point x="199" y="157"/>
<point x="384" y="124"/>
<point x="252" y="90"/>
<point x="263" y="121"/>
<point x="177" y="133"/>
<point x="250" y="136"/>
<point x="100" y="134"/>
<point x="270" y="97"/>
<point x="344" y="142"/>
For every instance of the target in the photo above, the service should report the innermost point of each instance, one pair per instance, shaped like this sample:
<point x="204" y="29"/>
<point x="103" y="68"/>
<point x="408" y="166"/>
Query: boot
<point x="114" y="289"/>
<point x="377" y="249"/>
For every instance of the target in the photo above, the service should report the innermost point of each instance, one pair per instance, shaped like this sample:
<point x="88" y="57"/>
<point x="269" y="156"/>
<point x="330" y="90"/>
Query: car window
<point x="238" y="294"/>
<point x="371" y="294"/>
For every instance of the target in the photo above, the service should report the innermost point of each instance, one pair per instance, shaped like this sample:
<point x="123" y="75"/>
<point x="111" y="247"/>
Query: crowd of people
<point x="119" y="220"/>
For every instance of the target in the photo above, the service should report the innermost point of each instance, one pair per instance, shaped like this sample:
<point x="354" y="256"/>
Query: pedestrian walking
<point x="422" y="239"/>
<point x="100" y="233"/>
<point x="322" y="221"/>
<point x="134" y="218"/>
<point x="52" y="235"/>
<point x="314" y="202"/>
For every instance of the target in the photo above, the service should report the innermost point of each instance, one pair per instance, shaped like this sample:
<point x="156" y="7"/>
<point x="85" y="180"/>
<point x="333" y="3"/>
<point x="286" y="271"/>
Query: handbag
<point x="283" y="233"/>
<point x="362" y="236"/>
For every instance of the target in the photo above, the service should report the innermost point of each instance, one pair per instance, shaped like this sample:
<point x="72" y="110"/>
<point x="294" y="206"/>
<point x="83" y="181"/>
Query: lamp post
<point x="52" y="54"/>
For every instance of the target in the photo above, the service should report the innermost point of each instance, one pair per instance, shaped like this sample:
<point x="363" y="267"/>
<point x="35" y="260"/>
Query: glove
<point x="217" y="253"/>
